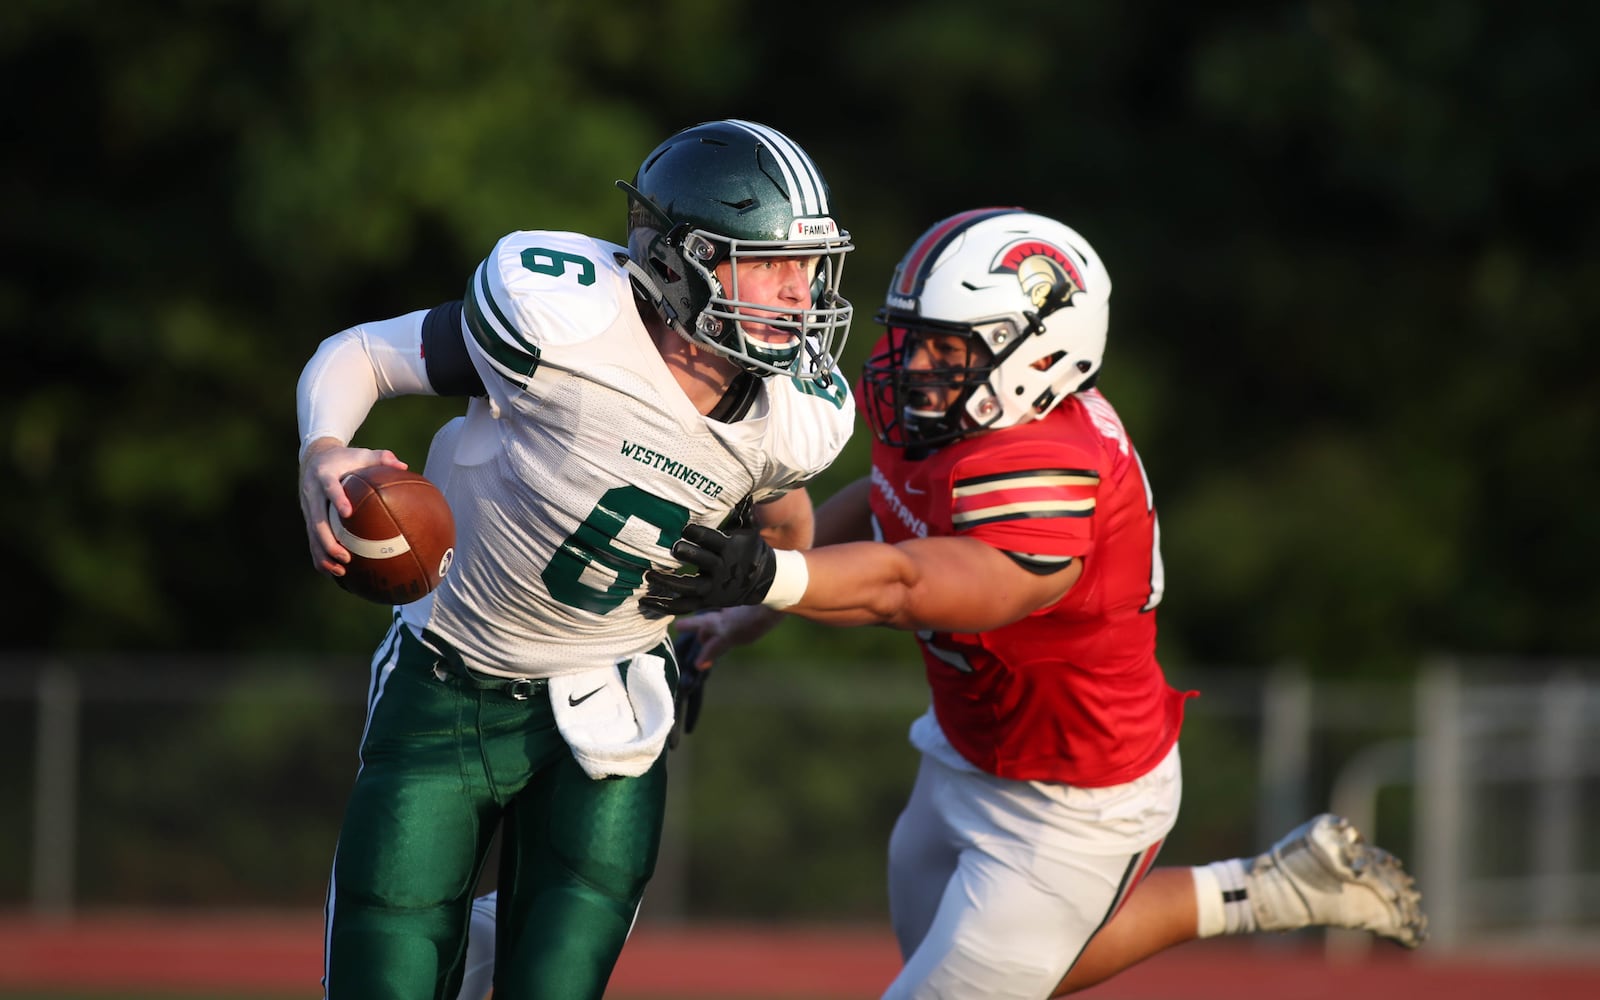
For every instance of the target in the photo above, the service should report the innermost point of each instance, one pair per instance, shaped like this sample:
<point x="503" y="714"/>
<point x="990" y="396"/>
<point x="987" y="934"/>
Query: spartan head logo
<point x="1048" y="276"/>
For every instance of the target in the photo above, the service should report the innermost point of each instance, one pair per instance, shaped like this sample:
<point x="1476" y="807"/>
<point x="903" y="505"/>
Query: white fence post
<point x="1556" y="807"/>
<point x="55" y="793"/>
<point x="1356" y="787"/>
<point x="1441" y="800"/>
<point x="1286" y="725"/>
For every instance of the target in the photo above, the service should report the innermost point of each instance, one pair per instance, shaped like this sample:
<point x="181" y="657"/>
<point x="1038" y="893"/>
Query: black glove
<point x="736" y="568"/>
<point x="691" y="687"/>
<point x="743" y="515"/>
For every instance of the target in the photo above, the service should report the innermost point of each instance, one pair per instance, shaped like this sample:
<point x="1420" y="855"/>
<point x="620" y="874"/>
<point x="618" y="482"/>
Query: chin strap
<point x="644" y="286"/>
<point x="736" y="402"/>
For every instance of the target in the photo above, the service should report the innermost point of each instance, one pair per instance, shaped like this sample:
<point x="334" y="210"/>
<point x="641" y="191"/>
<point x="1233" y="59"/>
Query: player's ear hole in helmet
<point x="1027" y="289"/>
<point x="728" y="192"/>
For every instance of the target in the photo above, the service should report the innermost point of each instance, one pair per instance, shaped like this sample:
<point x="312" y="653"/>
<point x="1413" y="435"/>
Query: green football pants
<point x="443" y="763"/>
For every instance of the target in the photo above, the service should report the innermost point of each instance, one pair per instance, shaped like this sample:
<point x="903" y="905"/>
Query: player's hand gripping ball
<point x="401" y="535"/>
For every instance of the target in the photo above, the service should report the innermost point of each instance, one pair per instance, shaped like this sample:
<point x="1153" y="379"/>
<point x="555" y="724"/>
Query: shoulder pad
<point x="539" y="290"/>
<point x="812" y="423"/>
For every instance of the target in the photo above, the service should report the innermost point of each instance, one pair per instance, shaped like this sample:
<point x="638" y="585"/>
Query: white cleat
<point x="1323" y="873"/>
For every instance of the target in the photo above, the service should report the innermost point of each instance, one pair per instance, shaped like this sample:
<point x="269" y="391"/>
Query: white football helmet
<point x="1031" y="298"/>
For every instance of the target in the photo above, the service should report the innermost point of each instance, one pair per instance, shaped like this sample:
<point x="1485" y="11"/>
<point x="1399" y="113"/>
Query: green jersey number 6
<point x="554" y="263"/>
<point x="591" y="570"/>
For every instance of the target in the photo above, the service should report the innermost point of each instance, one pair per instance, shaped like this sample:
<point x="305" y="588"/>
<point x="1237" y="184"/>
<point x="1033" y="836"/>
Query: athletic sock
<point x="1221" y="899"/>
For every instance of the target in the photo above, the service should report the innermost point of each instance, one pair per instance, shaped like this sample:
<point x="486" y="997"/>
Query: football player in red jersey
<point x="1007" y="522"/>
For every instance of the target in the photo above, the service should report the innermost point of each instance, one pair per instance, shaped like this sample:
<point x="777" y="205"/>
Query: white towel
<point x="615" y="728"/>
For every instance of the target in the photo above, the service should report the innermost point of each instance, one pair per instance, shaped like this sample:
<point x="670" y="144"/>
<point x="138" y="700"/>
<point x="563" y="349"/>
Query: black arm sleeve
<point x="444" y="352"/>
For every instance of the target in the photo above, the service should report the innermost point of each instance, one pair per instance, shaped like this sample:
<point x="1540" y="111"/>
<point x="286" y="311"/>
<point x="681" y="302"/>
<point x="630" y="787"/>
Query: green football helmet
<point x="732" y="191"/>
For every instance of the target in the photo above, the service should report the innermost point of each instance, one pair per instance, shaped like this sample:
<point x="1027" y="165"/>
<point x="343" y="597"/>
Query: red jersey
<point x="1073" y="692"/>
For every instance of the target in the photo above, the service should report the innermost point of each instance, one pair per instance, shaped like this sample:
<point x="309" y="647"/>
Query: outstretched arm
<point x="945" y="584"/>
<point x="948" y="584"/>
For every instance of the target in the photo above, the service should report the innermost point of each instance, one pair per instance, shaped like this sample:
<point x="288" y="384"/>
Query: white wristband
<point x="789" y="579"/>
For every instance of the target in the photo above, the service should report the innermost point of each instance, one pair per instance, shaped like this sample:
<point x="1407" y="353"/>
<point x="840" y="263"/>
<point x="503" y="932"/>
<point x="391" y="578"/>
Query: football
<point x="401" y="535"/>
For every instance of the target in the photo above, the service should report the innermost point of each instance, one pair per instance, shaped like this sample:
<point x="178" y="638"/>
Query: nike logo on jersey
<point x="913" y="523"/>
<point x="575" y="702"/>
<point x="913" y="490"/>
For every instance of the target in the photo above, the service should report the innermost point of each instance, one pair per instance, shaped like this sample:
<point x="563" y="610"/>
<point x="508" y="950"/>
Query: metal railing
<point x="1498" y="778"/>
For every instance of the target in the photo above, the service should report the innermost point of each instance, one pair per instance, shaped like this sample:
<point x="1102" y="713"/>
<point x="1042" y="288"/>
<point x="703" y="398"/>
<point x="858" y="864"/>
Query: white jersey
<point x="587" y="460"/>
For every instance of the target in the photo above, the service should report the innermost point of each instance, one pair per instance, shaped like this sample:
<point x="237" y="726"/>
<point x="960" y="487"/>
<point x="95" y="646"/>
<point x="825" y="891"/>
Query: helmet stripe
<point x="813" y="198"/>
<point x="807" y="195"/>
<point x="912" y="271"/>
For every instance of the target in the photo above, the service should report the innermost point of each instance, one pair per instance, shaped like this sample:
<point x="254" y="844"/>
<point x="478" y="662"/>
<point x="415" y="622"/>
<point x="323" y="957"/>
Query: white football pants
<point x="479" y="975"/>
<point x="996" y="886"/>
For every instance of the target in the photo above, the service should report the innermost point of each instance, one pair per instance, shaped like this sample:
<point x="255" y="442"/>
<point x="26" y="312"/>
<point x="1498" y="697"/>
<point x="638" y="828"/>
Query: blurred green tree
<point x="1350" y="243"/>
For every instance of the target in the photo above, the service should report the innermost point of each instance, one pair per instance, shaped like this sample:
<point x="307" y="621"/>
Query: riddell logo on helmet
<point x="813" y="228"/>
<point x="1044" y="271"/>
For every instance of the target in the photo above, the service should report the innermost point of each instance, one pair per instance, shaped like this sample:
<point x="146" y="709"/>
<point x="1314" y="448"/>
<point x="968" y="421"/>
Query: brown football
<point x="401" y="535"/>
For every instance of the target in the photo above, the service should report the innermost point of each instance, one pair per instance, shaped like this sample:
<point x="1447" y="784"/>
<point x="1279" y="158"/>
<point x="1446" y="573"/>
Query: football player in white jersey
<point x="615" y="397"/>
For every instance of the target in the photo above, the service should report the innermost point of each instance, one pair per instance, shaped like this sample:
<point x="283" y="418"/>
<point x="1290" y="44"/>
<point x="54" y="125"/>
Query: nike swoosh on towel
<point x="575" y="702"/>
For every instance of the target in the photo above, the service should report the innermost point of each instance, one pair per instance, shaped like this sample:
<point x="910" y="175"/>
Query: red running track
<point x="214" y="954"/>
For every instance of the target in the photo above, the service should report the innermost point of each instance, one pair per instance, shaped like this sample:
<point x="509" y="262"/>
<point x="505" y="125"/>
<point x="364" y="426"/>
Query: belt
<point x="515" y="688"/>
<point x="449" y="668"/>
